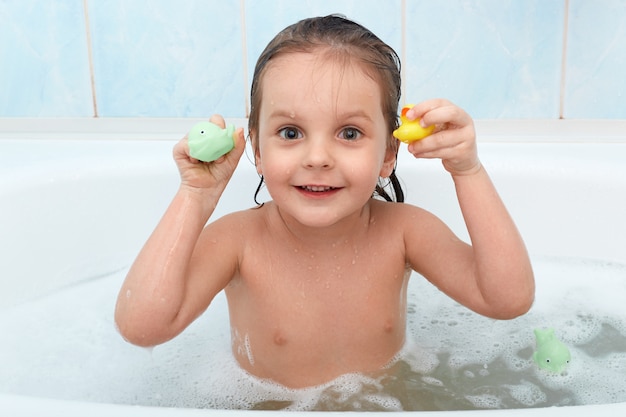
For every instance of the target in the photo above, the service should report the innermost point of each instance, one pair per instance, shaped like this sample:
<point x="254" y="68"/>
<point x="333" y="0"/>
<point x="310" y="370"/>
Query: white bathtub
<point x="79" y="197"/>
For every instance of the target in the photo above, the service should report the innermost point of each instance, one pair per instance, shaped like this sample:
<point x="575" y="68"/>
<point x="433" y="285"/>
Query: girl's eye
<point x="290" y="133"/>
<point x="350" y="133"/>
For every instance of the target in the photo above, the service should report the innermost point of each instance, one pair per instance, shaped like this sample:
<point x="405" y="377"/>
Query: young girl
<point x="316" y="278"/>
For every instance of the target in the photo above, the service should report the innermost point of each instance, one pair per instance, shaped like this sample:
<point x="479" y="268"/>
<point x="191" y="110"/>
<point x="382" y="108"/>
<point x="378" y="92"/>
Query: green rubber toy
<point x="551" y="353"/>
<point x="208" y="142"/>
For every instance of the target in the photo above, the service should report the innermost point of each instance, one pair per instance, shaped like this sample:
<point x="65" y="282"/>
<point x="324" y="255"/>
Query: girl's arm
<point x="493" y="276"/>
<point x="164" y="289"/>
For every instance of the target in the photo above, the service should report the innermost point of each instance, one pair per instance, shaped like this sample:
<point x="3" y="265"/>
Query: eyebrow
<point x="356" y="114"/>
<point x="282" y="113"/>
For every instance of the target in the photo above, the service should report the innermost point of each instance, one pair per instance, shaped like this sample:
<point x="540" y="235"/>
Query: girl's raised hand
<point x="454" y="138"/>
<point x="207" y="175"/>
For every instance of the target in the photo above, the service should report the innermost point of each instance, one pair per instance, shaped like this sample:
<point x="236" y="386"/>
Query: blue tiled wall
<point x="191" y="58"/>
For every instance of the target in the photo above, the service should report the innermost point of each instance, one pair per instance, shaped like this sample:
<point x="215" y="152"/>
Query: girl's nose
<point x="318" y="154"/>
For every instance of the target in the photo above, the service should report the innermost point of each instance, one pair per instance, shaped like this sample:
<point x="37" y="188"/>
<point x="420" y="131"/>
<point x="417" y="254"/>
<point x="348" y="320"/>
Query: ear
<point x="254" y="141"/>
<point x="257" y="162"/>
<point x="390" y="160"/>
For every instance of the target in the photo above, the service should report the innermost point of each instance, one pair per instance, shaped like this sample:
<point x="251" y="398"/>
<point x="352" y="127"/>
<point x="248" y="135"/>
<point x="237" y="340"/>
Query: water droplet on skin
<point x="248" y="350"/>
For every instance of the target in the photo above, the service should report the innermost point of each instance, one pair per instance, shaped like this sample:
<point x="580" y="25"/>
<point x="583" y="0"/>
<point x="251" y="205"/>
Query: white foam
<point x="527" y="393"/>
<point x="579" y="298"/>
<point x="66" y="346"/>
<point x="485" y="401"/>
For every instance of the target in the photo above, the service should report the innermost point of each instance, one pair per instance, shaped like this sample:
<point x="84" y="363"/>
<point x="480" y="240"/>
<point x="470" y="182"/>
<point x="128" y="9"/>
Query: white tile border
<point x="497" y="130"/>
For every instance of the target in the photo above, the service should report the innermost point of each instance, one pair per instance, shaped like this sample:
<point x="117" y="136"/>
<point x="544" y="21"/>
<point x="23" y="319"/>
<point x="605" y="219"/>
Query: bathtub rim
<point x="25" y="406"/>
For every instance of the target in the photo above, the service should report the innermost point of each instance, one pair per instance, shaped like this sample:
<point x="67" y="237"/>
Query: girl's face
<point x="322" y="139"/>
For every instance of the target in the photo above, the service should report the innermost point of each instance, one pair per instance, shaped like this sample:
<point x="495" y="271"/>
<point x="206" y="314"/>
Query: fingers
<point x="239" y="138"/>
<point x="439" y="112"/>
<point x="454" y="138"/>
<point x="420" y="109"/>
<point x="441" y="144"/>
<point x="182" y="153"/>
<point x="453" y="126"/>
<point x="240" y="145"/>
<point x="218" y="120"/>
<point x="207" y="175"/>
<point x="181" y="150"/>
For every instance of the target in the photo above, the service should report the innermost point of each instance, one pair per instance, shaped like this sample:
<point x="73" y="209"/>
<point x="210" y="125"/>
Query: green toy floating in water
<point x="208" y="142"/>
<point x="551" y="353"/>
<point x="411" y="130"/>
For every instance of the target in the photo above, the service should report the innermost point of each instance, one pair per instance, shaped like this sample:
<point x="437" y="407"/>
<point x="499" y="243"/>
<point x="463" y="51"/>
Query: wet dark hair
<point x="350" y="40"/>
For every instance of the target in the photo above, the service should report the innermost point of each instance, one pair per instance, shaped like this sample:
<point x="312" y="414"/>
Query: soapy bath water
<point x="65" y="346"/>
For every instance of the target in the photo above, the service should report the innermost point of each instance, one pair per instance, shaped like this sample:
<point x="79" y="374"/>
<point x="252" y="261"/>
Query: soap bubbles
<point x="66" y="346"/>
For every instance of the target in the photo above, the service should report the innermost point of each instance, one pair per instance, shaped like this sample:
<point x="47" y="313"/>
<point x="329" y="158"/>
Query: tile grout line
<point x="403" y="35"/>
<point x="244" y="55"/>
<point x="564" y="61"/>
<point x="92" y="76"/>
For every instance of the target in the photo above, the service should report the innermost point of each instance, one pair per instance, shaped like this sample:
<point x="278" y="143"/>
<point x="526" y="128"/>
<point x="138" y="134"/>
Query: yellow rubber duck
<point x="411" y="130"/>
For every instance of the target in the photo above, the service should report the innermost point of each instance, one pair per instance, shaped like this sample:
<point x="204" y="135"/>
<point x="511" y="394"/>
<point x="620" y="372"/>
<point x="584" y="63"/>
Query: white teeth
<point x="315" y="188"/>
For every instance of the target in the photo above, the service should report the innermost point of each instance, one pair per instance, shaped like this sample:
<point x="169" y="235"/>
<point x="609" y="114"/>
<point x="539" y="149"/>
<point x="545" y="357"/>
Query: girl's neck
<point x="346" y="230"/>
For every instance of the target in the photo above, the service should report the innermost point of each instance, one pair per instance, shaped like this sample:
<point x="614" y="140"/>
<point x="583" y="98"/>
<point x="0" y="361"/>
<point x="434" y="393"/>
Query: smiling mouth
<point x="316" y="188"/>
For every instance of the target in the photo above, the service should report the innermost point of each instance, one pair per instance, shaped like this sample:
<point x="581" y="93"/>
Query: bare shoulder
<point x="401" y="214"/>
<point x="418" y="228"/>
<point x="222" y="243"/>
<point x="246" y="221"/>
